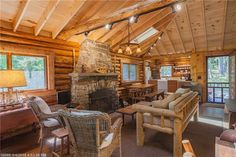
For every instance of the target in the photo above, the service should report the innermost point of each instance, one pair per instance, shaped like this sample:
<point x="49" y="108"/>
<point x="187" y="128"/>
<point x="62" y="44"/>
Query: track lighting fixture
<point x="86" y="34"/>
<point x="133" y="19"/>
<point x="176" y="7"/>
<point x="108" y="26"/>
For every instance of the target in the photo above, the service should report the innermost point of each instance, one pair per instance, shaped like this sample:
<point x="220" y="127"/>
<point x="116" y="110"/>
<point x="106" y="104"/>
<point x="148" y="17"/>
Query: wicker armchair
<point x="47" y="118"/>
<point x="91" y="133"/>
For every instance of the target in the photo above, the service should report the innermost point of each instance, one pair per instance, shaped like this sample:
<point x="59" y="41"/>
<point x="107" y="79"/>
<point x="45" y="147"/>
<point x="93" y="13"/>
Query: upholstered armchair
<point x="91" y="133"/>
<point x="47" y="117"/>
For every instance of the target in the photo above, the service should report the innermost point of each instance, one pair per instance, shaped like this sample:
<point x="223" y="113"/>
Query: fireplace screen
<point x="105" y="100"/>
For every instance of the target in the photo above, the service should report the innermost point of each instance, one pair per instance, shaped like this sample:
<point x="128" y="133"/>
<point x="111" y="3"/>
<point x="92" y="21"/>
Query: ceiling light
<point x="86" y="34"/>
<point x="138" y="50"/>
<point x="120" y="50"/>
<point x="151" y="48"/>
<point x="127" y="49"/>
<point x="177" y="8"/>
<point x="133" y="19"/>
<point x="159" y="37"/>
<point x="154" y="44"/>
<point x="108" y="26"/>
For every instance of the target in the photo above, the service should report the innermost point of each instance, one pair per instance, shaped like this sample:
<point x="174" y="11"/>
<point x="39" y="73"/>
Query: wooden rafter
<point x="45" y="16"/>
<point x="204" y="23"/>
<point x="224" y="23"/>
<point x="171" y="43"/>
<point x="20" y="14"/>
<point x="154" y="21"/>
<point x="180" y="37"/>
<point x="189" y="25"/>
<point x="146" y="45"/>
<point x="73" y="11"/>
<point x="127" y="12"/>
<point x="114" y="30"/>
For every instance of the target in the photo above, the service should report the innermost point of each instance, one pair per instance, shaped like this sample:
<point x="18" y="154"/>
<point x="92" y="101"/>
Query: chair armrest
<point x="116" y="127"/>
<point x="55" y="108"/>
<point x="46" y="116"/>
<point x="155" y="111"/>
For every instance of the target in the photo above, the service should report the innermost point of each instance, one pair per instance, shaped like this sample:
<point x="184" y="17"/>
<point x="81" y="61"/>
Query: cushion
<point x="157" y="120"/>
<point x="107" y="140"/>
<point x="165" y="102"/>
<point x="178" y="100"/>
<point x="182" y="90"/>
<point x="43" y="106"/>
<point x="228" y="135"/>
<point x="51" y="122"/>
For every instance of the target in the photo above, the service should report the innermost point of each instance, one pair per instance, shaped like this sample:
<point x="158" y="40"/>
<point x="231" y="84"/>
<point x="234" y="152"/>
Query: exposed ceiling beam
<point x="146" y="45"/>
<point x="112" y="32"/>
<point x="224" y="23"/>
<point x="180" y="37"/>
<point x="20" y="14"/>
<point x="157" y="20"/>
<point x="140" y="8"/>
<point x="78" y="5"/>
<point x="204" y="23"/>
<point x="45" y="16"/>
<point x="168" y="38"/>
<point x="189" y="25"/>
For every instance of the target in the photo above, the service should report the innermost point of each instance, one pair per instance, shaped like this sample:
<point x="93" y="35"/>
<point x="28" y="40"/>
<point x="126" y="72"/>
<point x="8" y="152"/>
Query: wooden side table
<point x="63" y="135"/>
<point x="126" y="111"/>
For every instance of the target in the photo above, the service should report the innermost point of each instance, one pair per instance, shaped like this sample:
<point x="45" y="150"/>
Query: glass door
<point x="217" y="79"/>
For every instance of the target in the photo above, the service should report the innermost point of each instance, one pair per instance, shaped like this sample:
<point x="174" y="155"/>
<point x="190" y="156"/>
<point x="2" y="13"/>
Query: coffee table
<point x="126" y="111"/>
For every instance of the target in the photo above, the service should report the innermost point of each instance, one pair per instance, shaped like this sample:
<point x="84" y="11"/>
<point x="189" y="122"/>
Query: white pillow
<point x="182" y="90"/>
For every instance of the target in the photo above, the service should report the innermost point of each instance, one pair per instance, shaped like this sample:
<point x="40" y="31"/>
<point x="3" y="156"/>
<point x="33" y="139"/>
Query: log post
<point x="139" y="129"/>
<point x="177" y="138"/>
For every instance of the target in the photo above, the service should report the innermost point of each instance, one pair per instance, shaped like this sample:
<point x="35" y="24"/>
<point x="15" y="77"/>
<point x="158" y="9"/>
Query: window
<point x="3" y="61"/>
<point x="145" y="35"/>
<point x="129" y="72"/>
<point x="166" y="71"/>
<point x="34" y="67"/>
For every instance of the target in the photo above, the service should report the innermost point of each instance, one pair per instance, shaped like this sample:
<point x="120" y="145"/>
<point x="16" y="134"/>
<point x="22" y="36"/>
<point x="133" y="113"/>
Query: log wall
<point x="62" y="54"/>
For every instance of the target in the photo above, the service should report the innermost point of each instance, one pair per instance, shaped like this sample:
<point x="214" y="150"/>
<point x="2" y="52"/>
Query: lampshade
<point x="12" y="78"/>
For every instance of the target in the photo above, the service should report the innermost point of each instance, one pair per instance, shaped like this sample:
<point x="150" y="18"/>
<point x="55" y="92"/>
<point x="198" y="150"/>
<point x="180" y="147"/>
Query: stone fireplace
<point x="90" y="87"/>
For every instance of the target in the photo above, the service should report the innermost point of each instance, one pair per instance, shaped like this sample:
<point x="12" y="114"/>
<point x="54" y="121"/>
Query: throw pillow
<point x="165" y="102"/>
<point x="182" y="90"/>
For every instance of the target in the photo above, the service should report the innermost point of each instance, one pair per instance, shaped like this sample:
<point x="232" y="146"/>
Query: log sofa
<point x="171" y="119"/>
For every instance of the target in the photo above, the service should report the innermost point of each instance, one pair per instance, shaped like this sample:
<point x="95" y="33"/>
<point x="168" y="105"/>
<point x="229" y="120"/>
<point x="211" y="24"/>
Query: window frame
<point x="46" y="67"/>
<point x="166" y="66"/>
<point x="122" y="67"/>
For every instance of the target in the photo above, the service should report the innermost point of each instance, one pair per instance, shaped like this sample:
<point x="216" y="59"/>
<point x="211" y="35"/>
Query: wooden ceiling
<point x="201" y="25"/>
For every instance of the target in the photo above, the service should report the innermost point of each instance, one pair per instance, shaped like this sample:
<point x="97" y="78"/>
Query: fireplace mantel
<point x="92" y="74"/>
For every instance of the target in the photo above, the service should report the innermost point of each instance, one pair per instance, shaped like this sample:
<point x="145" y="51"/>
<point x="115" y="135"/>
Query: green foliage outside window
<point x="3" y="61"/>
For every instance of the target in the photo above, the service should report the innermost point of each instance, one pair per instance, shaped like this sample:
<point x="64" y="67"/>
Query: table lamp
<point x="10" y="79"/>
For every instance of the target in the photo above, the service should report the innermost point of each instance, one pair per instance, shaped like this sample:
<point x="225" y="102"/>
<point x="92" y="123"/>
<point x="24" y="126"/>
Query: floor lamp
<point x="10" y="79"/>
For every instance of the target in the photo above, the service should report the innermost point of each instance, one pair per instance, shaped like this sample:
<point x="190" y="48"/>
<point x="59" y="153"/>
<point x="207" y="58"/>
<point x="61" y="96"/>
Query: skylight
<point x="145" y="35"/>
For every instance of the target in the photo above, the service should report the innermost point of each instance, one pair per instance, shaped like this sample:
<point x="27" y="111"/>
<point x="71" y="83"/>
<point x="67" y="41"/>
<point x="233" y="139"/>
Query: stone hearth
<point x="93" y="55"/>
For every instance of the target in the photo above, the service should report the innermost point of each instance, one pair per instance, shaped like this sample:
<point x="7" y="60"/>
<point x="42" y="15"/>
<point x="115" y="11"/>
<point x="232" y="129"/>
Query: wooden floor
<point x="160" y="144"/>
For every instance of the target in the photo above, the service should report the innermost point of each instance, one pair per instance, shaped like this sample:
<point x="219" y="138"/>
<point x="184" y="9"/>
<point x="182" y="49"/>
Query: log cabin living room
<point x="118" y="78"/>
